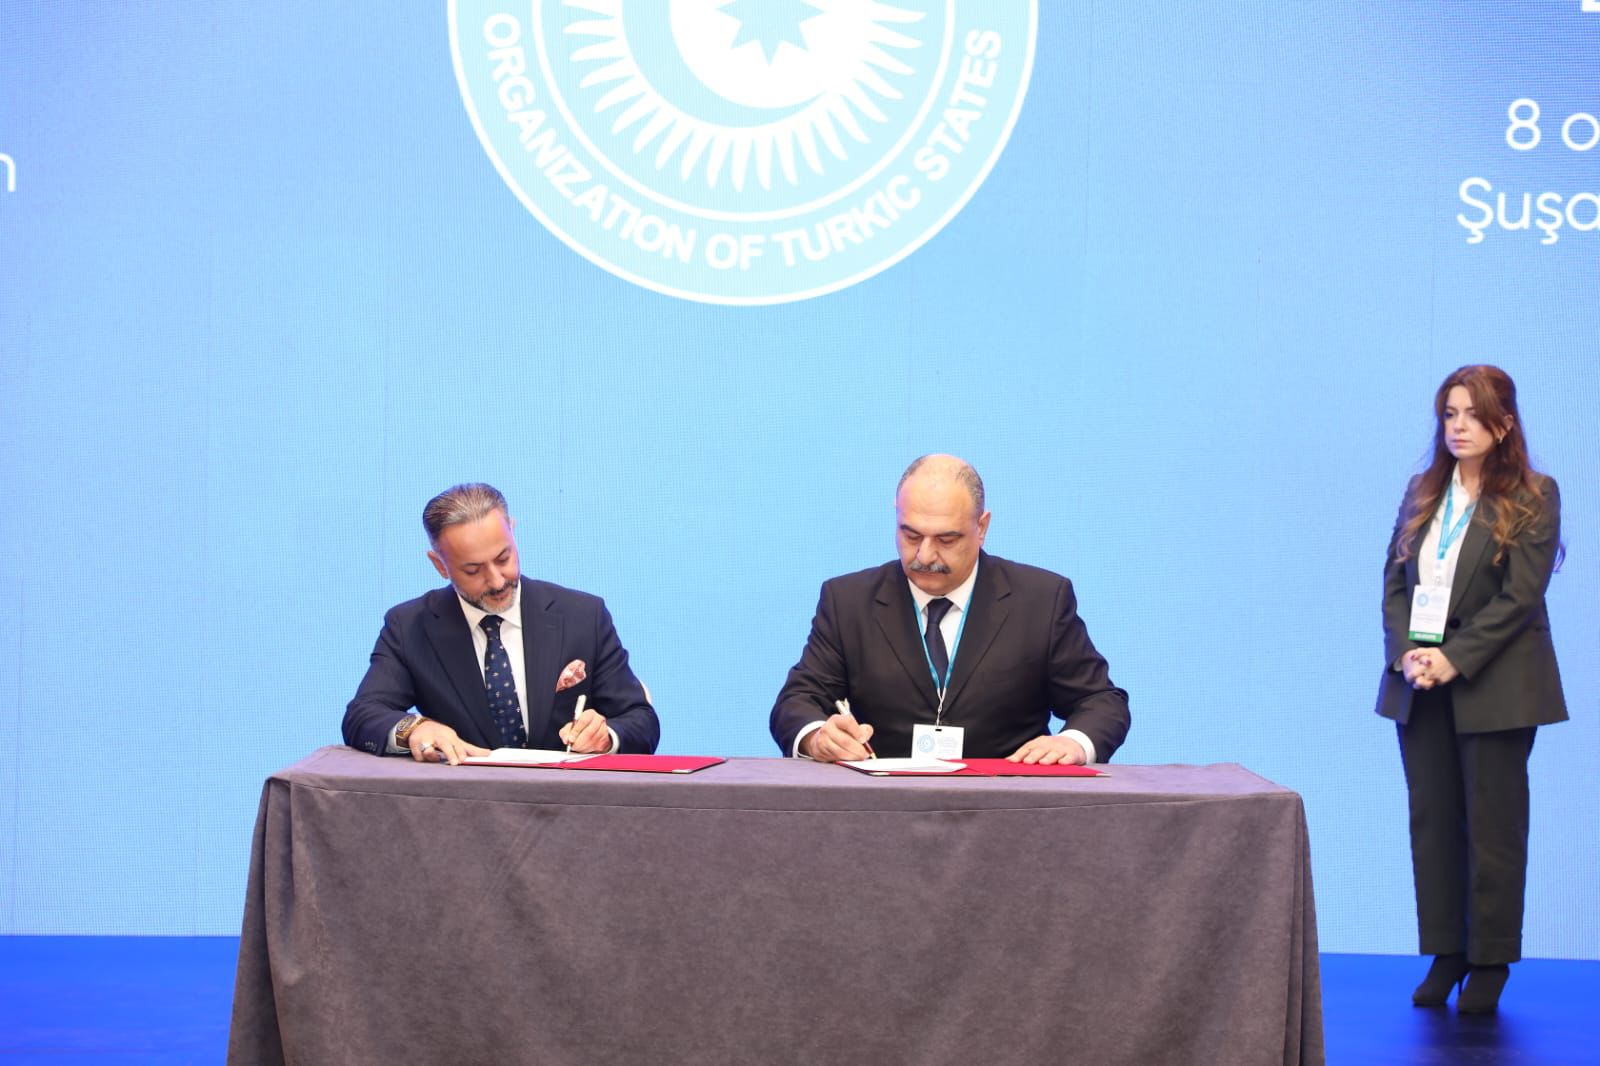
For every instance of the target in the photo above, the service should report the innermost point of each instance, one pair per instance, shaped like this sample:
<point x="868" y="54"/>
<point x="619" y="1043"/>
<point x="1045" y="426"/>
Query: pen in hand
<point x="843" y="707"/>
<point x="577" y="709"/>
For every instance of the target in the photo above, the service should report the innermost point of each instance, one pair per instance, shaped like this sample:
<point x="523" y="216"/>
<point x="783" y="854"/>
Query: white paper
<point x="527" y="755"/>
<point x="904" y="766"/>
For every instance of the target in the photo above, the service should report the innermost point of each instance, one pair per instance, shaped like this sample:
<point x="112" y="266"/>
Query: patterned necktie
<point x="501" y="686"/>
<point x="934" y="639"/>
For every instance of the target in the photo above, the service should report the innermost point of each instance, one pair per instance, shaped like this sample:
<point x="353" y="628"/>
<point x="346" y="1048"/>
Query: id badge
<point x="1430" y="605"/>
<point x="936" y="741"/>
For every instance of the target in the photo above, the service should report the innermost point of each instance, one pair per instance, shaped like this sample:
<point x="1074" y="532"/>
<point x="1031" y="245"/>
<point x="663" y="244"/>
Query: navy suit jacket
<point x="424" y="659"/>
<point x="1024" y="656"/>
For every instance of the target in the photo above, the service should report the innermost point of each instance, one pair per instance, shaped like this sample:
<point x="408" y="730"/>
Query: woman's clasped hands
<point x="1427" y="667"/>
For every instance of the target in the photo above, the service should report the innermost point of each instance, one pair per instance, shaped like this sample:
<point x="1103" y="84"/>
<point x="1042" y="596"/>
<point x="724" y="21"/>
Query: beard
<point x="482" y="602"/>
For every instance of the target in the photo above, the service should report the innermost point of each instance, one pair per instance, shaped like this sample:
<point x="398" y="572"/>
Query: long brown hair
<point x="1509" y="487"/>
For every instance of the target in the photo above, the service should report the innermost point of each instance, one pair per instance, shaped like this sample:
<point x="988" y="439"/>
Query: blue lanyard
<point x="940" y="684"/>
<point x="1447" y="533"/>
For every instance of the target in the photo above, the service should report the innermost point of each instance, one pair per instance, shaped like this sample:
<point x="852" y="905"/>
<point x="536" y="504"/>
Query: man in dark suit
<point x="495" y="660"/>
<point x="949" y="637"/>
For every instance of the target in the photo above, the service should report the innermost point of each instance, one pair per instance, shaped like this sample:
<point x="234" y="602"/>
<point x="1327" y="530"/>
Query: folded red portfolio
<point x="989" y="768"/>
<point x="644" y="764"/>
<point x="1005" y="768"/>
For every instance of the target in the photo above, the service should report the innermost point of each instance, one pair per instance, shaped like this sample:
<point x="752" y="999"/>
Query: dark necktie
<point x="501" y="685"/>
<point x="935" y="639"/>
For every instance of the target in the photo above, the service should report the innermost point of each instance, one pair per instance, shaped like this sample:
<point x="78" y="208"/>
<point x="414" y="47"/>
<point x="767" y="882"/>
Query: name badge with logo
<point x="936" y="741"/>
<point x="1430" y="605"/>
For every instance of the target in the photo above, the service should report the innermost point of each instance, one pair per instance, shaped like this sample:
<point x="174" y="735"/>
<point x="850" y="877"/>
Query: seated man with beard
<point x="495" y="660"/>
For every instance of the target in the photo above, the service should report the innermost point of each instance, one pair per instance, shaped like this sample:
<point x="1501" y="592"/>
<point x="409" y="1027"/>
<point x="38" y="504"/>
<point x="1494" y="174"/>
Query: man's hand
<point x="841" y="739"/>
<point x="1047" y="751"/>
<point x="587" y="733"/>
<point x="436" y="742"/>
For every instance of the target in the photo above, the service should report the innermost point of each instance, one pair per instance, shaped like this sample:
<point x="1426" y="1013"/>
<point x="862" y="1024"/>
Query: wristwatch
<point x="402" y="732"/>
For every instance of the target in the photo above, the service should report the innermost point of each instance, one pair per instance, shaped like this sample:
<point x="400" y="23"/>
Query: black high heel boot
<point x="1482" y="994"/>
<point x="1447" y="972"/>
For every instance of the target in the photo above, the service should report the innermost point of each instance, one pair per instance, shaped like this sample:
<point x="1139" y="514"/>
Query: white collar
<point x="958" y="596"/>
<point x="511" y="617"/>
<point x="1460" y="487"/>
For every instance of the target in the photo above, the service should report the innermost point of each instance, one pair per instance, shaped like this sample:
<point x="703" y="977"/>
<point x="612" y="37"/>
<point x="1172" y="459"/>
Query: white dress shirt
<point x="1430" y="568"/>
<point x="950" y="624"/>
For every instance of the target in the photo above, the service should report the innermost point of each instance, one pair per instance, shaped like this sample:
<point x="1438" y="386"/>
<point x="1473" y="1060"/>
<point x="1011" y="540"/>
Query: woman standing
<point x="1471" y="673"/>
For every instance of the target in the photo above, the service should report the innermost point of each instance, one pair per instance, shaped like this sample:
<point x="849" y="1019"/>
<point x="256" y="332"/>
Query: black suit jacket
<point x="1497" y="631"/>
<point x="1024" y="655"/>
<point x="424" y="659"/>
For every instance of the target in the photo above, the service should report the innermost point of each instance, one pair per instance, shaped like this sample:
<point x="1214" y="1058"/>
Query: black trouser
<point x="1469" y="831"/>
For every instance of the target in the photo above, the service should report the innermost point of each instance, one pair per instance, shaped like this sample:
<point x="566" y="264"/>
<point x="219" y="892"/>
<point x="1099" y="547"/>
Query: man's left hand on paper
<point x="434" y="741"/>
<point x="1047" y="751"/>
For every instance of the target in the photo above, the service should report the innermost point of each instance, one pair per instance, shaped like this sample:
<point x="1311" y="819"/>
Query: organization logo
<point x="743" y="151"/>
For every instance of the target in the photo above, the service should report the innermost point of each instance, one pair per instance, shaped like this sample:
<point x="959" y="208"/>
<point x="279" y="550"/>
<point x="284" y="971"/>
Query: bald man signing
<point x="949" y="652"/>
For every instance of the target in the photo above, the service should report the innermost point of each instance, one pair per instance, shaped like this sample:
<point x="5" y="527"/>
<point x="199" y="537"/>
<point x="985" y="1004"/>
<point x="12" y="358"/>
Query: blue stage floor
<point x="123" y="1000"/>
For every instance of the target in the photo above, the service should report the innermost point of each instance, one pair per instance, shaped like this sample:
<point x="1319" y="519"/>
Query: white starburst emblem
<point x="743" y="151"/>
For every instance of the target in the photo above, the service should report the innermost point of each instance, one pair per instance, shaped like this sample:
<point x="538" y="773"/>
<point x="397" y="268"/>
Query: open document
<point x="905" y="766"/>
<point x="525" y="757"/>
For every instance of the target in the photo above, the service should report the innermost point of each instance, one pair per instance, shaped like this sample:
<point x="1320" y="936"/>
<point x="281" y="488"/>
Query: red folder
<point x="1005" y="768"/>
<point x="990" y="768"/>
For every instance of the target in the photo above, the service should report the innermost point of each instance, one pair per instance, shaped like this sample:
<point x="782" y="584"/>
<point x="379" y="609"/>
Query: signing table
<point x="775" y="911"/>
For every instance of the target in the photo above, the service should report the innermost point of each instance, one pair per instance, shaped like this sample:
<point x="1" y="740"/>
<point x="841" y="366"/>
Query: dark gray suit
<point x="1465" y="745"/>
<point x="1024" y="655"/>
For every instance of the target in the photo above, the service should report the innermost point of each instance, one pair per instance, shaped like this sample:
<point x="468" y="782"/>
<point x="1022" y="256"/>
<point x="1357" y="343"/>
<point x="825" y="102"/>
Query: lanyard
<point x="1447" y="533"/>
<point x="940" y="685"/>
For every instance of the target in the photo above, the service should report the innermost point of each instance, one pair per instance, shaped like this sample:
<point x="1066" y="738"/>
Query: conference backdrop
<point x="692" y="281"/>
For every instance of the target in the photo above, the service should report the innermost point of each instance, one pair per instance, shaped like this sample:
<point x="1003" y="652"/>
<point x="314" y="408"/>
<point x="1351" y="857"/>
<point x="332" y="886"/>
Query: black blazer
<point x="1024" y="655"/>
<point x="424" y="659"/>
<point x="1497" y="632"/>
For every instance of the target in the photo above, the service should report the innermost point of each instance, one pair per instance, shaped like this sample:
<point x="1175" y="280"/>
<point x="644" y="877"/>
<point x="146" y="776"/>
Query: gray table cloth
<point x="775" y="911"/>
